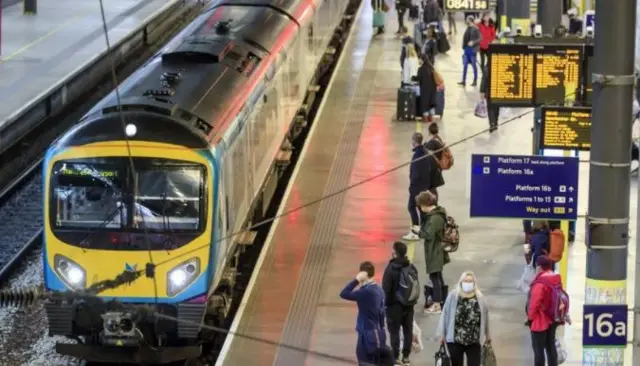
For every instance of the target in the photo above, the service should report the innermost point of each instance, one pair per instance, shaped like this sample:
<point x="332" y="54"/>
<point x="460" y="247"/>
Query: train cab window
<point x="88" y="195"/>
<point x="169" y="198"/>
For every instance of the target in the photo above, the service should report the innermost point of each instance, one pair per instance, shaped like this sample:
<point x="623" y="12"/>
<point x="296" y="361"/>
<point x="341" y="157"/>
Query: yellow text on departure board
<point x="511" y="78"/>
<point x="553" y="71"/>
<point x="567" y="129"/>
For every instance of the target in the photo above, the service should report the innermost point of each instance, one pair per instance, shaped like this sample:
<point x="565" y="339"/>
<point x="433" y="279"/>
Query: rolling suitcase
<point x="378" y="19"/>
<point x="442" y="43"/>
<point x="440" y="103"/>
<point x="406" y="108"/>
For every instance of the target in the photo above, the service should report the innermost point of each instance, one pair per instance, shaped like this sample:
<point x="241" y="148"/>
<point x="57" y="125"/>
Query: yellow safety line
<point x="42" y="38"/>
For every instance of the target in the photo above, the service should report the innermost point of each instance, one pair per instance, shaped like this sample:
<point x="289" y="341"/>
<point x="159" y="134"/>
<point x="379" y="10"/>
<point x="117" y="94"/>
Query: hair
<point x="433" y="129"/>
<point x="411" y="51"/>
<point x="540" y="224"/>
<point x="426" y="198"/>
<point x="544" y="262"/>
<point x="417" y="138"/>
<point x="369" y="268"/>
<point x="400" y="249"/>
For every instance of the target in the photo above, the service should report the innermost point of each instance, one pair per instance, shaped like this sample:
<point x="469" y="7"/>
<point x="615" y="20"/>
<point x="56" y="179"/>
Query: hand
<point x="470" y="44"/>
<point x="441" y="341"/>
<point x="527" y="248"/>
<point x="488" y="340"/>
<point x="361" y="276"/>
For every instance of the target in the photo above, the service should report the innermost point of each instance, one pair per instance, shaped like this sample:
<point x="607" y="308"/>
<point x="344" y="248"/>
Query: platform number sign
<point x="604" y="325"/>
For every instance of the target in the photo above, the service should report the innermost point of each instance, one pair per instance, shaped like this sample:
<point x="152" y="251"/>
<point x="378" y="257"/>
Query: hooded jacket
<point x="446" y="326"/>
<point x="391" y="278"/>
<point x="473" y="35"/>
<point x="420" y="171"/>
<point x="488" y="33"/>
<point x="540" y="300"/>
<point x="539" y="243"/>
<point x="432" y="231"/>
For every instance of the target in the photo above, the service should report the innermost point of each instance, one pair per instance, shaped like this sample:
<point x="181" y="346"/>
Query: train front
<point x="113" y="206"/>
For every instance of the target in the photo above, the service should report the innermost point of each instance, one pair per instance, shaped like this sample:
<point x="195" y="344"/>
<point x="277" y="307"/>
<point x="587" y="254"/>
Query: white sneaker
<point x="411" y="237"/>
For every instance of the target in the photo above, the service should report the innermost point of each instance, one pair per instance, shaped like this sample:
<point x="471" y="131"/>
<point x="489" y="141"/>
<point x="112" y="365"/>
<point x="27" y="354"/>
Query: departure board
<point x="566" y="128"/>
<point x="466" y="5"/>
<point x="558" y="74"/>
<point x="511" y="75"/>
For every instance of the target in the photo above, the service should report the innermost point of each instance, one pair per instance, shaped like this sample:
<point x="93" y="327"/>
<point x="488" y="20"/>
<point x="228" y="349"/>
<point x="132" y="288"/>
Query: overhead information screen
<point x="511" y="70"/>
<point x="558" y="74"/>
<point x="566" y="128"/>
<point x="466" y="5"/>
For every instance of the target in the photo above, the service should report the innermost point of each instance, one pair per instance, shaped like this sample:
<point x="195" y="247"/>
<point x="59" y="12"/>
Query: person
<point x="410" y="65"/>
<point x="369" y="298"/>
<point x="493" y="112"/>
<point x="539" y="239"/>
<point x="428" y="89"/>
<point x="401" y="8"/>
<point x="470" y="46"/>
<point x="431" y="12"/>
<point x="399" y="314"/>
<point x="542" y="327"/>
<point x="487" y="30"/>
<point x="575" y="23"/>
<point x="403" y="52"/>
<point x="435" y="147"/>
<point x="430" y="47"/>
<point x="432" y="231"/>
<point x="419" y="180"/>
<point x="464" y="323"/>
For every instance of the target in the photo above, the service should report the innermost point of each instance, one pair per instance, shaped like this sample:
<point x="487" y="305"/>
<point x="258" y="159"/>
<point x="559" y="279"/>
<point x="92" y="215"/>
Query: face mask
<point x="467" y="287"/>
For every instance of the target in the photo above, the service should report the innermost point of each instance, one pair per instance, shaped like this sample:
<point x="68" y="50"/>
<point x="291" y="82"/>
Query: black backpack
<point x="408" y="287"/>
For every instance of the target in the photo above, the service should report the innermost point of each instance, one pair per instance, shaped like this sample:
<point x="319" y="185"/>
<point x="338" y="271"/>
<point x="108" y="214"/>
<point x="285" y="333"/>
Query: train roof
<point x="207" y="71"/>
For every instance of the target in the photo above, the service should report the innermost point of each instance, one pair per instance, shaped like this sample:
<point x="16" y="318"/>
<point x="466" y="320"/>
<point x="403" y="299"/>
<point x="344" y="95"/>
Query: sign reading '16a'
<point x="605" y="325"/>
<point x="466" y="5"/>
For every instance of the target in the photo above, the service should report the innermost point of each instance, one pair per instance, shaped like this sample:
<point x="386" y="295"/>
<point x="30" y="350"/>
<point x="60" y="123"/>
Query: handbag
<point x="527" y="277"/>
<point x="488" y="356"/>
<point x="562" y="353"/>
<point x="436" y="75"/>
<point x="481" y="109"/>
<point x="442" y="356"/>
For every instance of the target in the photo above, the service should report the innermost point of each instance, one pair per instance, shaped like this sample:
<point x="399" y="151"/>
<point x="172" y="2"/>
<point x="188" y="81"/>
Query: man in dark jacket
<point x="470" y="47"/>
<point x="401" y="7"/>
<point x="432" y="13"/>
<point x="419" y="180"/>
<point x="398" y="315"/>
<point x="493" y="112"/>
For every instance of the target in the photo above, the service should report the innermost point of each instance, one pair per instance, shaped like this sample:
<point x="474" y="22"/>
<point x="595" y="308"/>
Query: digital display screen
<point x="566" y="128"/>
<point x="588" y="88"/>
<point x="511" y="75"/>
<point x="558" y="74"/>
<point x="527" y="75"/>
<point x="466" y="5"/>
<point x="75" y="171"/>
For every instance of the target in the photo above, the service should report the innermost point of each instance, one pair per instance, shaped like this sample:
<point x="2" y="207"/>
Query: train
<point x="163" y="172"/>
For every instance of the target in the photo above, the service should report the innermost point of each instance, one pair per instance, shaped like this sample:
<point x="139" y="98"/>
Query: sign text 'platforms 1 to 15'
<point x="524" y="187"/>
<point x="466" y="5"/>
<point x="605" y="326"/>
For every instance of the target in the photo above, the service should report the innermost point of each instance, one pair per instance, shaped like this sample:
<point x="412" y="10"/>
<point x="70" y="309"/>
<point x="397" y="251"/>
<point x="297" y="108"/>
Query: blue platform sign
<point x="605" y="325"/>
<point x="524" y="187"/>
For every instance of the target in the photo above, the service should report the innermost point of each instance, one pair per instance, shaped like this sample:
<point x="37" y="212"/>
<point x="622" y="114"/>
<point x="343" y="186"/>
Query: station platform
<point x="312" y="253"/>
<point x="39" y="50"/>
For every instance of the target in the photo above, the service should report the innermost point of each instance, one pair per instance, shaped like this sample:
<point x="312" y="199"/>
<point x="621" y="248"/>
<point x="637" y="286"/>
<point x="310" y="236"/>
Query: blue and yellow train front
<point x="94" y="178"/>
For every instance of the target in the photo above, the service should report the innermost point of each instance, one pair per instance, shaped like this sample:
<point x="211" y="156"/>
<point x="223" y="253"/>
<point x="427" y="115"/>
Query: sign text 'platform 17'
<point x="524" y="187"/>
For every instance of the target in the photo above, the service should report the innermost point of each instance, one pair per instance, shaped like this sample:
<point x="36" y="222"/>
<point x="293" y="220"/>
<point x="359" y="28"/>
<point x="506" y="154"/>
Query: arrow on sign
<point x="570" y="189"/>
<point x="570" y="199"/>
<point x="570" y="210"/>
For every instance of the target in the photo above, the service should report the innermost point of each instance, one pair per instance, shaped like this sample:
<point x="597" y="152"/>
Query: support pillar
<point x="518" y="14"/>
<point x="549" y="15"/>
<point x="609" y="165"/>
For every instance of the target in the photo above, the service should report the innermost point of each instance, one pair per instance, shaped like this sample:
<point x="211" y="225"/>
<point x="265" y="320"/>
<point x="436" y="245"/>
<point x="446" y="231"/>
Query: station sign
<point x="524" y="187"/>
<point x="529" y="75"/>
<point x="605" y="326"/>
<point x="566" y="128"/>
<point x="466" y="5"/>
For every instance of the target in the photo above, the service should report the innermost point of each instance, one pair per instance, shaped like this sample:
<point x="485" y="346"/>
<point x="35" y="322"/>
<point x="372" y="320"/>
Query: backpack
<point x="446" y="157"/>
<point x="558" y="310"/>
<point x="408" y="288"/>
<point x="556" y="245"/>
<point x="451" y="235"/>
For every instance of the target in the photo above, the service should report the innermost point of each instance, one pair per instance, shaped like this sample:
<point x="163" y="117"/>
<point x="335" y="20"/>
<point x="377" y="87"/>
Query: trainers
<point x="405" y="361"/>
<point x="433" y="309"/>
<point x="412" y="235"/>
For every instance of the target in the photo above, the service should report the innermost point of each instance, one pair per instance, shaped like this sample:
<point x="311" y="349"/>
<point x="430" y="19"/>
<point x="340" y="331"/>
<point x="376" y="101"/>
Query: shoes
<point x="462" y="83"/>
<point x="433" y="309"/>
<point x="405" y="361"/>
<point x="412" y="235"/>
<point x="475" y="83"/>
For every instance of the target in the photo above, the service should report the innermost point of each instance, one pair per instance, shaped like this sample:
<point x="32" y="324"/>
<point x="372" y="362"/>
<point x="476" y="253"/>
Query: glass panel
<point x="88" y="195"/>
<point x="169" y="198"/>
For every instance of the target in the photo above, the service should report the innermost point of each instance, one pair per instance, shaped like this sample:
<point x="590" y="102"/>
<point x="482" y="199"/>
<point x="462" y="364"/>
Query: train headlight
<point x="183" y="275"/>
<point x="71" y="273"/>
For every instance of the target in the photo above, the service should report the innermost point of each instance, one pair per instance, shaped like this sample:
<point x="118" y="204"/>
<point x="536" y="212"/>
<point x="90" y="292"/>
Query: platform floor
<point x="312" y="253"/>
<point x="39" y="50"/>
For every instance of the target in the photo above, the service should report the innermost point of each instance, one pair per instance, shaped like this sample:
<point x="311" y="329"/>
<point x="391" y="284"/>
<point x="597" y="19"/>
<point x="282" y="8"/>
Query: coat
<point x="446" y="326"/>
<point x="540" y="300"/>
<point x="432" y="232"/>
<point x="428" y="87"/>
<point x="488" y="33"/>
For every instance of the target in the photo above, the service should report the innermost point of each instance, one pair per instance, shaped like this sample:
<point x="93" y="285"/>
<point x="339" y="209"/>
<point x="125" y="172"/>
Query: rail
<point x="59" y="96"/>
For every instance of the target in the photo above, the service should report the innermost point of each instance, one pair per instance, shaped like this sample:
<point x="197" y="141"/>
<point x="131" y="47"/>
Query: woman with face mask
<point x="464" y="323"/>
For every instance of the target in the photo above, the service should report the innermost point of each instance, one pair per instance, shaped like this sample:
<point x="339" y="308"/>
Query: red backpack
<point x="558" y="309"/>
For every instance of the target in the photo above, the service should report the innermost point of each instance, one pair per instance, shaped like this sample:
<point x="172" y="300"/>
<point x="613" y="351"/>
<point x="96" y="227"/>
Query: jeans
<point x="469" y="58"/>
<point x="362" y="354"/>
<point x="438" y="284"/>
<point x="413" y="208"/>
<point x="400" y="317"/>
<point x="401" y="12"/>
<point x="458" y="351"/>
<point x="545" y="341"/>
